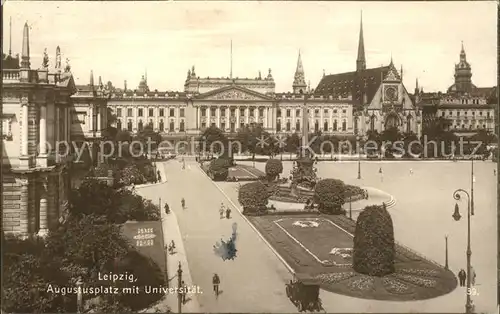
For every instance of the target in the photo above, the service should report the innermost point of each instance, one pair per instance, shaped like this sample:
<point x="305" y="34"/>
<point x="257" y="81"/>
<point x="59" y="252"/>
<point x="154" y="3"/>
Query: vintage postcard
<point x="249" y="157"/>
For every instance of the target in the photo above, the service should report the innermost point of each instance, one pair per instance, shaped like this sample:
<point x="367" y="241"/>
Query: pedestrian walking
<point x="167" y="209"/>
<point x="494" y="172"/>
<point x="158" y="175"/>
<point x="221" y="211"/>
<point x="411" y="171"/>
<point x="473" y="276"/>
<point x="461" y="277"/>
<point x="183" y="203"/>
<point x="183" y="292"/>
<point x="228" y="213"/>
<point x="216" y="283"/>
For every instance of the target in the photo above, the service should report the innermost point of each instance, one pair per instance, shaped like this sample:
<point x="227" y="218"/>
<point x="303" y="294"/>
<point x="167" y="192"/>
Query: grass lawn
<point x="242" y="172"/>
<point x="318" y="249"/>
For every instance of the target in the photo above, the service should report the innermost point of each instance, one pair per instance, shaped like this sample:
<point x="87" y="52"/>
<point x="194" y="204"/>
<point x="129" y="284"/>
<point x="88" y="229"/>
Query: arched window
<point x="316" y="126"/>
<point x="278" y="126"/>
<point x="344" y="125"/>
<point x="129" y="125"/>
<point x="162" y="126"/>
<point x="408" y="124"/>
<point x="150" y="124"/>
<point x="297" y="126"/>
<point x="140" y="126"/>
<point x="181" y="127"/>
<point x="119" y="124"/>
<point x="372" y="123"/>
<point x="334" y="125"/>
<point x="325" y="126"/>
<point x="288" y="125"/>
<point x="172" y="127"/>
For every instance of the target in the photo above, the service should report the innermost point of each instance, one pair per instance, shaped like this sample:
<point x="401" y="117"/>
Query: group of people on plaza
<point x="224" y="210"/>
<point x="462" y="277"/>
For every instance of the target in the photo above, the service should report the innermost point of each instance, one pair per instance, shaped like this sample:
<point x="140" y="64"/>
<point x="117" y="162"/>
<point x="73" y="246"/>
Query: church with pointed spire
<point x="379" y="96"/>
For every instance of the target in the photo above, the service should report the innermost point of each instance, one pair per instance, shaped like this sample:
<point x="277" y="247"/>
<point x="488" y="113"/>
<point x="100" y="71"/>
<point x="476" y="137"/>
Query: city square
<point x="346" y="175"/>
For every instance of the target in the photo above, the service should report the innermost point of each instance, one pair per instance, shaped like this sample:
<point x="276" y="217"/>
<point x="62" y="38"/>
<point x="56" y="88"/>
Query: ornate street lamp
<point x="456" y="215"/>
<point x="179" y="285"/>
<point x="358" y="138"/>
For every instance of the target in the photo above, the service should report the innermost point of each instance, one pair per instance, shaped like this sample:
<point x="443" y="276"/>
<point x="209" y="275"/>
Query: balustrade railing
<point x="10" y="75"/>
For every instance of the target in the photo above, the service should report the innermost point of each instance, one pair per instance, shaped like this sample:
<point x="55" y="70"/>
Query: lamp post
<point x="179" y="285"/>
<point x="359" y="159"/>
<point x="79" y="296"/>
<point x="446" y="252"/>
<point x="472" y="187"/>
<point x="456" y="215"/>
<point x="350" y="207"/>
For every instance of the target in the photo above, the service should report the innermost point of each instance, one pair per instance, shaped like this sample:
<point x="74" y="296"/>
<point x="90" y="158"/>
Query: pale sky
<point x="119" y="40"/>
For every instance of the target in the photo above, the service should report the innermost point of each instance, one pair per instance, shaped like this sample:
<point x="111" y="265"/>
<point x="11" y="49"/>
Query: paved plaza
<point x="255" y="280"/>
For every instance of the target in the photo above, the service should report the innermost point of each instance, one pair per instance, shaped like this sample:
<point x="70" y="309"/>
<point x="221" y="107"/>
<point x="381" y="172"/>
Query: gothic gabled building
<point x="379" y="97"/>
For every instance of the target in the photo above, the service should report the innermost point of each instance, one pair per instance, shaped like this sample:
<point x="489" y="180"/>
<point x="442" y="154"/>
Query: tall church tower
<point x="361" y="60"/>
<point x="299" y="81"/>
<point x="463" y="74"/>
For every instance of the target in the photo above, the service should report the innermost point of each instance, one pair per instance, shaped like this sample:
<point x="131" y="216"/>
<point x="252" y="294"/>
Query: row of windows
<point x="232" y="111"/>
<point x="161" y="126"/>
<point x="297" y="112"/>
<point x="140" y="112"/>
<point x="450" y="113"/>
<point x="316" y="126"/>
<point x="478" y="126"/>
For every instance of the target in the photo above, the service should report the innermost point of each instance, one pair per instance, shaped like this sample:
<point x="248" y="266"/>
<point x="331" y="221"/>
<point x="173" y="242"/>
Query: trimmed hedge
<point x="329" y="194"/>
<point x="253" y="197"/>
<point x="274" y="167"/>
<point x="374" y="249"/>
<point x="219" y="169"/>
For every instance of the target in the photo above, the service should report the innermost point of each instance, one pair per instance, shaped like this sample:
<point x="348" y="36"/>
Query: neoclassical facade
<point x="35" y="117"/>
<point x="230" y="104"/>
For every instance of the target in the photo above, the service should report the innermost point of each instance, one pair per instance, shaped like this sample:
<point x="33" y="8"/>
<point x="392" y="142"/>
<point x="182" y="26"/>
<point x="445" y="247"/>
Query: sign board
<point x="147" y="238"/>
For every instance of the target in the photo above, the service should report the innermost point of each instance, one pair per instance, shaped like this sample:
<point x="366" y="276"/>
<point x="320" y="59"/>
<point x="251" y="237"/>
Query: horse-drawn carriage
<point x="304" y="296"/>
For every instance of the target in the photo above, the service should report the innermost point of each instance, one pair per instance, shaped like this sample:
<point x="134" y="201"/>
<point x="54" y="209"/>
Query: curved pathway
<point x="255" y="280"/>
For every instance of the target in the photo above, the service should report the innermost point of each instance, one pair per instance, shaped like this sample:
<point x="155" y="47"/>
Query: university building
<point x="229" y="104"/>
<point x="35" y="117"/>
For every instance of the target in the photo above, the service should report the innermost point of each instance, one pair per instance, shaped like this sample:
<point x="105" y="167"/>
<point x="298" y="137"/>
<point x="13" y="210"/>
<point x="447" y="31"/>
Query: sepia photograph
<point x="249" y="157"/>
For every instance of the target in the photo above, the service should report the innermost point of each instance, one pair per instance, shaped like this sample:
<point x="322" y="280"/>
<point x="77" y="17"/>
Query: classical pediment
<point x="234" y="93"/>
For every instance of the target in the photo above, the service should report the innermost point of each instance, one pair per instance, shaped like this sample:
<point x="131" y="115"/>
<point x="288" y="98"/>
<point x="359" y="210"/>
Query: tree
<point x="215" y="141"/>
<point x="219" y="169"/>
<point x="274" y="167"/>
<point x="28" y="271"/>
<point x="329" y="194"/>
<point x="374" y="248"/>
<point x="256" y="140"/>
<point x="88" y="243"/>
<point x="292" y="143"/>
<point x="390" y="136"/>
<point x="411" y="145"/>
<point x="375" y="142"/>
<point x="148" y="135"/>
<point x="253" y="197"/>
<point x="94" y="197"/>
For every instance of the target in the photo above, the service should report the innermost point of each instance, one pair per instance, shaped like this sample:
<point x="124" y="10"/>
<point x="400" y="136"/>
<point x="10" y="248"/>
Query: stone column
<point x="91" y="118"/>
<point x="43" y="207"/>
<point x="237" y="117"/>
<point x="24" y="131"/>
<point x="43" y="130"/>
<point x="266" y="124"/>
<point x="99" y="127"/>
<point x="24" y="206"/>
<point x="217" y="113"/>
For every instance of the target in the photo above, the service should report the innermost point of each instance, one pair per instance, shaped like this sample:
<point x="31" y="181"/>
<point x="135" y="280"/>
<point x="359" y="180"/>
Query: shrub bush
<point x="130" y="175"/>
<point x="329" y="194"/>
<point x="219" y="169"/>
<point x="253" y="197"/>
<point x="352" y="191"/>
<point x="274" y="167"/>
<point x="374" y="249"/>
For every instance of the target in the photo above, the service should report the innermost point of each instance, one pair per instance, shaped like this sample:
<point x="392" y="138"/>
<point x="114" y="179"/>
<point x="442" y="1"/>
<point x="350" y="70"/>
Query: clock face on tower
<point x="391" y="93"/>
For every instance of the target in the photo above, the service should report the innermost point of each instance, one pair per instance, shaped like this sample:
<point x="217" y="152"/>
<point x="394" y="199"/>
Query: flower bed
<point x="423" y="282"/>
<point x="420" y="272"/>
<point x="334" y="277"/>
<point x="363" y="283"/>
<point x="395" y="286"/>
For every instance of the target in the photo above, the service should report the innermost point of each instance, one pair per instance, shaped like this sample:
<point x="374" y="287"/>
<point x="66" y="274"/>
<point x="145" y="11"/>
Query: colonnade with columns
<point x="232" y="117"/>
